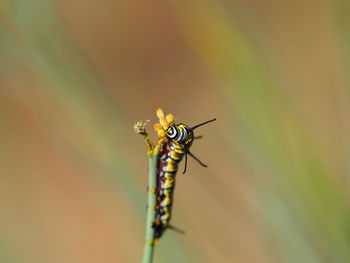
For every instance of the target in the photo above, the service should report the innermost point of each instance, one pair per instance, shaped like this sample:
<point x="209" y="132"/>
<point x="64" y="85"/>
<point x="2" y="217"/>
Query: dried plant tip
<point x="140" y="127"/>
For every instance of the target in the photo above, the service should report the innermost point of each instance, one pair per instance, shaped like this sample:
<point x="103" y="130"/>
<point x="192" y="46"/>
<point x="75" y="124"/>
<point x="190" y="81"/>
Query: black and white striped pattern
<point x="178" y="133"/>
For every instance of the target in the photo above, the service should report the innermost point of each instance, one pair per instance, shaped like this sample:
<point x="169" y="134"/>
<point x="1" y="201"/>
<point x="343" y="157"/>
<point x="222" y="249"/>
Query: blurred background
<point x="76" y="75"/>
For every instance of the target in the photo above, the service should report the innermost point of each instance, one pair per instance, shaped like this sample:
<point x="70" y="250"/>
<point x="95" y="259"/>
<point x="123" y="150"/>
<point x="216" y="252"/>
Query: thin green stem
<point x="151" y="212"/>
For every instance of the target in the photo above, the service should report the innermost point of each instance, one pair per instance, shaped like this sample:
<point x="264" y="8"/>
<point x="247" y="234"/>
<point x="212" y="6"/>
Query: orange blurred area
<point x="76" y="75"/>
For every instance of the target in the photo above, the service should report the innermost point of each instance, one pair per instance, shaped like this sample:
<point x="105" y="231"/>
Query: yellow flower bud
<point x="157" y="127"/>
<point x="170" y="118"/>
<point x="160" y="113"/>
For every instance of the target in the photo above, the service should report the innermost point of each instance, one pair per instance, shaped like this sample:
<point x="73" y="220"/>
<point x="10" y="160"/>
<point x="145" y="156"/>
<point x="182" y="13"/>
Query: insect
<point x="179" y="138"/>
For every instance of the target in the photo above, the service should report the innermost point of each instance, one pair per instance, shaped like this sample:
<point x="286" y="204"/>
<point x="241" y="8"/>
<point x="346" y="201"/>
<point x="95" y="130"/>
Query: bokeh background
<point x="76" y="75"/>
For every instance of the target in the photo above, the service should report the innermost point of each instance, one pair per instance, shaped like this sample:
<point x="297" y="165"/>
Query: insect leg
<point x="178" y="230"/>
<point x="185" y="164"/>
<point x="194" y="157"/>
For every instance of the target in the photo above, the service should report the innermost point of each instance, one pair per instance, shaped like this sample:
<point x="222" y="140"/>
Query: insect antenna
<point x="194" y="157"/>
<point x="197" y="137"/>
<point x="201" y="124"/>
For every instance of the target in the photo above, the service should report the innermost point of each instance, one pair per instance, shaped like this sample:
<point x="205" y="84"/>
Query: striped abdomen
<point x="168" y="161"/>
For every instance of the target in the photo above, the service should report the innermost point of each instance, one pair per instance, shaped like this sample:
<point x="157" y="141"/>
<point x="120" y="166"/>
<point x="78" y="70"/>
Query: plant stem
<point x="151" y="212"/>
